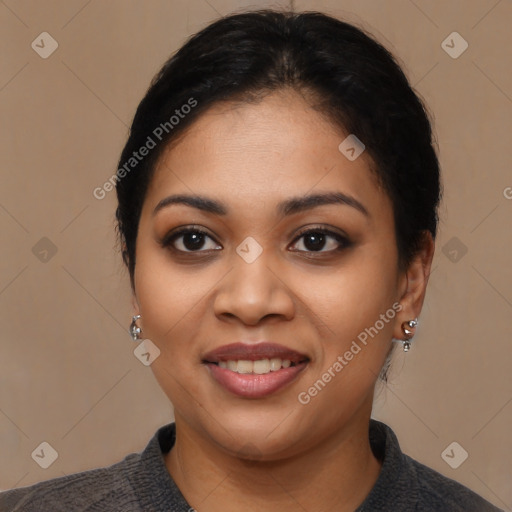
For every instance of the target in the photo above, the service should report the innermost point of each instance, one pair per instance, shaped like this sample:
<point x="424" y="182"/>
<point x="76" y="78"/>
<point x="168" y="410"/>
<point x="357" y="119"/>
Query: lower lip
<point x="250" y="385"/>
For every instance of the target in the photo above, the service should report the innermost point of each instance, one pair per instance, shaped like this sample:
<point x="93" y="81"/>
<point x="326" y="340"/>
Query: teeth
<point x="275" y="364"/>
<point x="245" y="366"/>
<point x="260" y="367"/>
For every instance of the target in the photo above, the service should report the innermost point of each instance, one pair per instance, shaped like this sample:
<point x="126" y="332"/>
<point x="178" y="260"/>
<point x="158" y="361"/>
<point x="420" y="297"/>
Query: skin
<point x="271" y="453"/>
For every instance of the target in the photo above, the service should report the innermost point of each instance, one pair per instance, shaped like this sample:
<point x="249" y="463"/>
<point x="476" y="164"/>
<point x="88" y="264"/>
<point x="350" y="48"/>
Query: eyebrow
<point x="284" y="208"/>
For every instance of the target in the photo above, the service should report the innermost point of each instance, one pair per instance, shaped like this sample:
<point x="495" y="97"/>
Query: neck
<point x="336" y="474"/>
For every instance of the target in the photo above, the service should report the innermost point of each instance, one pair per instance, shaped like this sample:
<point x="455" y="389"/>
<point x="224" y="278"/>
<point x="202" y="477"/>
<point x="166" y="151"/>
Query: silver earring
<point x="408" y="328"/>
<point x="135" y="330"/>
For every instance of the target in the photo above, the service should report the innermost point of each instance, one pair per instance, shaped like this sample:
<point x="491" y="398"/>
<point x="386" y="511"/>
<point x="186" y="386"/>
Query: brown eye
<point x="189" y="240"/>
<point x="317" y="239"/>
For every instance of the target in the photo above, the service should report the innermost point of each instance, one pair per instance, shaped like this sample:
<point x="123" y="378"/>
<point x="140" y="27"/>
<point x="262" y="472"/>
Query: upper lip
<point x="253" y="352"/>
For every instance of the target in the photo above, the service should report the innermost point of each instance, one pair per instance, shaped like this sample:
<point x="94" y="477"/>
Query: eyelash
<point x="344" y="242"/>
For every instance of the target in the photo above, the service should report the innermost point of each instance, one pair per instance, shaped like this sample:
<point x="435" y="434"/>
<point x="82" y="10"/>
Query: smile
<point x="259" y="367"/>
<point x="254" y="370"/>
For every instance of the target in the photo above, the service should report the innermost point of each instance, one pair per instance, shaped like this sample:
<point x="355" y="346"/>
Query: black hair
<point x="354" y="81"/>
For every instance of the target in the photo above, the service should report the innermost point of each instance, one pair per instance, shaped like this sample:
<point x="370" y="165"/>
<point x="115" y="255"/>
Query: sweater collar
<point x="157" y="491"/>
<point x="396" y="481"/>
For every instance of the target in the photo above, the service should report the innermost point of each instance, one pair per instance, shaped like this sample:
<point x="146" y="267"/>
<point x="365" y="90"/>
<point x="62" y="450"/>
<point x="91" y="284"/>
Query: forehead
<point x="275" y="148"/>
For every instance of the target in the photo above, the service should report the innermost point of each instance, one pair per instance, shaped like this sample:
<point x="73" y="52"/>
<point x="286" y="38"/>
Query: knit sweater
<point x="141" y="482"/>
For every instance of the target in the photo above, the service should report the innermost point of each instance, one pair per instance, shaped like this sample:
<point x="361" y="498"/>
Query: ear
<point x="413" y="285"/>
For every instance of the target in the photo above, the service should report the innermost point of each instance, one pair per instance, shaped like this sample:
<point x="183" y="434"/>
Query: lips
<point x="253" y="352"/>
<point x="254" y="370"/>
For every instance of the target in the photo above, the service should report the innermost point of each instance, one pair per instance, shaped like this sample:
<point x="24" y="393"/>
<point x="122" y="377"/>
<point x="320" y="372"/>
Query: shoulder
<point x="436" y="492"/>
<point x="404" y="484"/>
<point x="138" y="482"/>
<point x="96" y="489"/>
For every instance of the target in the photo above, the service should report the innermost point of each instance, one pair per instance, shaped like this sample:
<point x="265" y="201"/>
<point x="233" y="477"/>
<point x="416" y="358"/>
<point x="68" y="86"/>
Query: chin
<point x="256" y="436"/>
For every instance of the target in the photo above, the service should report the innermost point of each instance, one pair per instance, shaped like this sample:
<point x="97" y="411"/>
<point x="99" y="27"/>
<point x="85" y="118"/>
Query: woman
<point x="277" y="212"/>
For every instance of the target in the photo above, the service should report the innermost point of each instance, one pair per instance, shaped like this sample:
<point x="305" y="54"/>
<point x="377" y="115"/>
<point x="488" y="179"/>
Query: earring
<point x="135" y="330"/>
<point x="408" y="328"/>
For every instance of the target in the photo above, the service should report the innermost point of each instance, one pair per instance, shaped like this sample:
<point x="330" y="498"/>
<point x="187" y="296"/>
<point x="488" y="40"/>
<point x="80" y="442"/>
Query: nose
<point x="253" y="291"/>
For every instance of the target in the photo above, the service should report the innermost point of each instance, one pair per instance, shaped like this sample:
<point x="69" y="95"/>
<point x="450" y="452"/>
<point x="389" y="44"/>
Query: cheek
<point x="358" y="309"/>
<point x="168" y="298"/>
<point x="357" y="305"/>
<point x="356" y="293"/>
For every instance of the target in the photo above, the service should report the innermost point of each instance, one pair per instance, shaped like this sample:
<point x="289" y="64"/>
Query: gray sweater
<point x="141" y="482"/>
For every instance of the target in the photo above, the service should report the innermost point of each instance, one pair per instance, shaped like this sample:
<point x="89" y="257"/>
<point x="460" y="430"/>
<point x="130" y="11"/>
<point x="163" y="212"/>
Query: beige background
<point x="68" y="375"/>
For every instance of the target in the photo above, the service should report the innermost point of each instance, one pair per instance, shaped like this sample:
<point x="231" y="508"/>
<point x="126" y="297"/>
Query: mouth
<point x="258" y="367"/>
<point x="254" y="370"/>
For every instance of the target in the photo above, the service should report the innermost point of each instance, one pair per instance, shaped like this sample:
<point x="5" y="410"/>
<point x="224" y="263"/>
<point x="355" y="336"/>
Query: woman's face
<point x="255" y="278"/>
